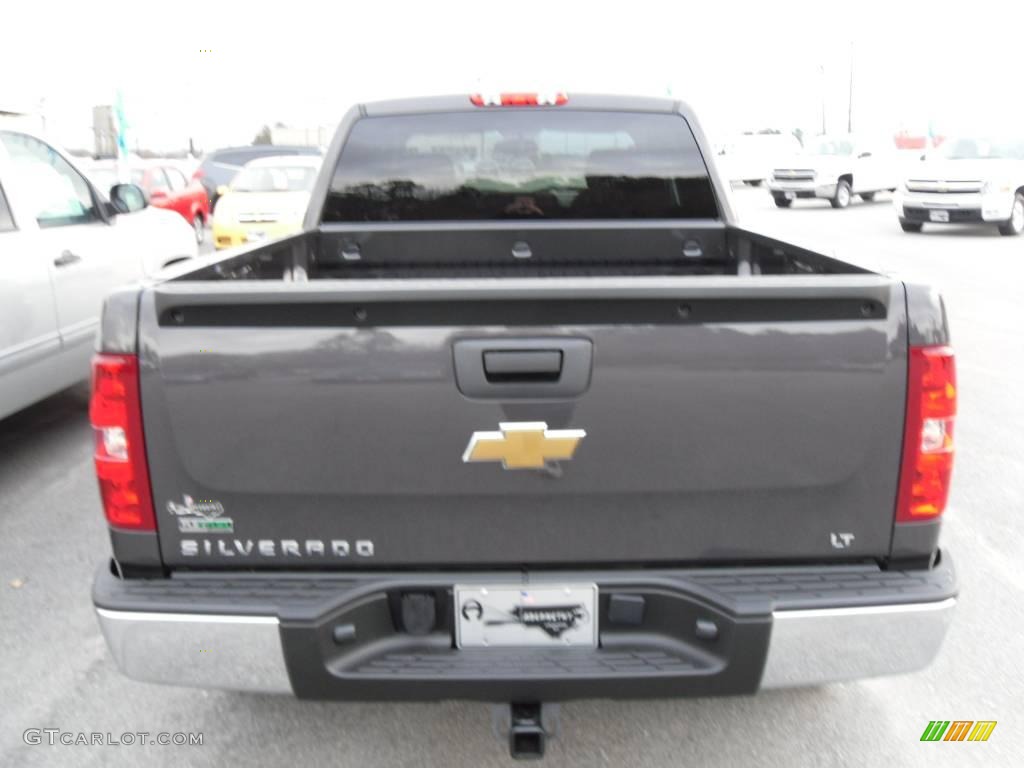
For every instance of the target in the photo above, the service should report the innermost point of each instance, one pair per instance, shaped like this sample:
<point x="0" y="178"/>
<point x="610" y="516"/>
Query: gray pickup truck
<point x="523" y="415"/>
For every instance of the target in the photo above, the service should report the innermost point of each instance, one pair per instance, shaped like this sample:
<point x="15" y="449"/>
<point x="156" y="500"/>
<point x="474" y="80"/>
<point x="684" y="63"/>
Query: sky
<point x="218" y="71"/>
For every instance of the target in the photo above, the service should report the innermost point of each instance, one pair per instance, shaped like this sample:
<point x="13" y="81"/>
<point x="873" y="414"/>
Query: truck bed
<point x="557" y="249"/>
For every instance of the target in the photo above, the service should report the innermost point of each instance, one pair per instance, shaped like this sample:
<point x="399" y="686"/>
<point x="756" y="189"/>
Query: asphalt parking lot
<point x="55" y="671"/>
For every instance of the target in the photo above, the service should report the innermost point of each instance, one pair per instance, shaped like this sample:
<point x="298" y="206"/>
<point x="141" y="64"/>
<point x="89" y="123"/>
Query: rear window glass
<point x="501" y="164"/>
<point x="278" y="178"/>
<point x="235" y="158"/>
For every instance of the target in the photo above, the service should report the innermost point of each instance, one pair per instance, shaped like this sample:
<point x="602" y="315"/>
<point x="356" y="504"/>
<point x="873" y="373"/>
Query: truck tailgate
<point x="326" y="424"/>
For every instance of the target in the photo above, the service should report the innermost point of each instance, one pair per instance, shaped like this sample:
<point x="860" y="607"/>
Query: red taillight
<point x="519" y="99"/>
<point x="928" y="434"/>
<point x="120" y="451"/>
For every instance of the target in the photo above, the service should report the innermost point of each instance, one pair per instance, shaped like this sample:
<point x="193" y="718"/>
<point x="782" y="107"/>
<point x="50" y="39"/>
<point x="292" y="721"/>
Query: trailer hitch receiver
<point x="527" y="726"/>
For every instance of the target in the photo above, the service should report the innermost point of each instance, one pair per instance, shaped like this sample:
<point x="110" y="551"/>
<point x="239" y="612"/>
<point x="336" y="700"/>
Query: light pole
<point x="849" y="107"/>
<point x="821" y="69"/>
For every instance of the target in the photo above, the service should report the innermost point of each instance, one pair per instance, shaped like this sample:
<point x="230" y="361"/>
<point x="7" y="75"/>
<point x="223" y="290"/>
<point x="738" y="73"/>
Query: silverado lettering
<point x="271" y="548"/>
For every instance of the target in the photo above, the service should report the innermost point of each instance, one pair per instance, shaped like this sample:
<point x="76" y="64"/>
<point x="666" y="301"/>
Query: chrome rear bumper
<point x="828" y="645"/>
<point x="765" y="641"/>
<point x="240" y="653"/>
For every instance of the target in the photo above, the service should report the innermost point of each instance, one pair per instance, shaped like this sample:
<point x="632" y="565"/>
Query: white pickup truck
<point x="966" y="180"/>
<point x="63" y="246"/>
<point x="836" y="168"/>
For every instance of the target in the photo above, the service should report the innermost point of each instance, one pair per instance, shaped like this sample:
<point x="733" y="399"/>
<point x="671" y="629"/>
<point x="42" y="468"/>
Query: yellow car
<point x="266" y="200"/>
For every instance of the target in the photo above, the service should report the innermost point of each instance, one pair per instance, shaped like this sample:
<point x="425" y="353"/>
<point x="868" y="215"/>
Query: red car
<point x="168" y="188"/>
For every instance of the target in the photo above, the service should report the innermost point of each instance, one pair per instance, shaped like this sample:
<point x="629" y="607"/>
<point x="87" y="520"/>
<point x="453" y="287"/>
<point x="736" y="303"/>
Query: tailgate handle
<point x="523" y="365"/>
<point x="510" y="368"/>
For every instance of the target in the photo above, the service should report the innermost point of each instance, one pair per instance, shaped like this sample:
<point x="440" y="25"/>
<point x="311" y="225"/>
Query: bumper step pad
<point x="530" y="663"/>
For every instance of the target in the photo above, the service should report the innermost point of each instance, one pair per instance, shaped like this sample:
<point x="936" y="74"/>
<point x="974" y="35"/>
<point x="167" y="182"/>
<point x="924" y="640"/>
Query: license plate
<point x="789" y="195"/>
<point x="938" y="215"/>
<point x="255" y="235"/>
<point x="530" y="615"/>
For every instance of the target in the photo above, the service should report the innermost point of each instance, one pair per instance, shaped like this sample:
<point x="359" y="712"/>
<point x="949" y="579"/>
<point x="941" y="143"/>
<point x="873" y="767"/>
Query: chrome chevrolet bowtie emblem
<point x="523" y="445"/>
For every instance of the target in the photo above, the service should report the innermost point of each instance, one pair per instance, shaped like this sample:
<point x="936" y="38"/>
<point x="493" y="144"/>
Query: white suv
<point x="966" y="180"/>
<point x="836" y="168"/>
<point x="750" y="157"/>
<point x="63" y="246"/>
